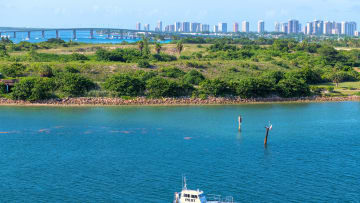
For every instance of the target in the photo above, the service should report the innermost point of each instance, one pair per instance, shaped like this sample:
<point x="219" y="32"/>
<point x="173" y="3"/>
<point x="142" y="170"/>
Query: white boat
<point x="197" y="196"/>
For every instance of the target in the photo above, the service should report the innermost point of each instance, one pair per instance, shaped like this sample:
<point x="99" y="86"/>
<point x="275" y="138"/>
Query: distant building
<point x="177" y="27"/>
<point x="236" y="27"/>
<point x="147" y="27"/>
<point x="245" y="27"/>
<point x="261" y="26"/>
<point x="293" y="27"/>
<point x="222" y="27"/>
<point x="328" y="27"/>
<point x="216" y="29"/>
<point x="159" y="26"/>
<point x="356" y="34"/>
<point x="277" y="27"/>
<point x="284" y="27"/>
<point x="195" y="27"/>
<point x="138" y="26"/>
<point x="185" y="27"/>
<point x="205" y="28"/>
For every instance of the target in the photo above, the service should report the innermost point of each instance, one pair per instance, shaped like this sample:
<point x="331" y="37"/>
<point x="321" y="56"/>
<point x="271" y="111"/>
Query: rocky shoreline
<point x="140" y="101"/>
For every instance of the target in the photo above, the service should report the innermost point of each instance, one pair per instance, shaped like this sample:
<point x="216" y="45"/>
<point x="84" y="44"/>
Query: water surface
<point x="138" y="154"/>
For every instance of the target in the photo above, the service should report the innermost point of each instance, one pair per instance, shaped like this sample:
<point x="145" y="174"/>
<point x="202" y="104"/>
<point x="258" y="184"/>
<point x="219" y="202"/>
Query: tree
<point x="158" y="47"/>
<point x="179" y="47"/>
<point x="254" y="87"/>
<point x="73" y="84"/>
<point x="125" y="85"/>
<point x="33" y="89"/>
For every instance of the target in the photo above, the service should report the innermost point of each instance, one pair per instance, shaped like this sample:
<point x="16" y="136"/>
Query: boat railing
<point x="212" y="198"/>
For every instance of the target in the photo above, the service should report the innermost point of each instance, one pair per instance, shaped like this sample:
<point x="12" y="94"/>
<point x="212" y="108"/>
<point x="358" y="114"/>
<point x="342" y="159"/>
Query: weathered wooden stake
<point x="266" y="136"/>
<point x="240" y="121"/>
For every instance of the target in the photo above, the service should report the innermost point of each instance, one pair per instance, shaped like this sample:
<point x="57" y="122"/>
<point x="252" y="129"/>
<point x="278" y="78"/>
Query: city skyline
<point x="292" y="26"/>
<point x="90" y="13"/>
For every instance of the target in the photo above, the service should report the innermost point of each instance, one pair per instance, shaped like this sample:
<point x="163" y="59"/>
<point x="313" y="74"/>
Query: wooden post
<point x="240" y="121"/>
<point x="266" y="136"/>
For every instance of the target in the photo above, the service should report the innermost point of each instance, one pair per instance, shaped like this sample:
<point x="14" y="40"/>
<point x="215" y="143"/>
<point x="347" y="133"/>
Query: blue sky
<point x="125" y="13"/>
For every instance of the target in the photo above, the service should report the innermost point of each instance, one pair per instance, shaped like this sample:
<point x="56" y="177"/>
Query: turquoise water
<point x="138" y="154"/>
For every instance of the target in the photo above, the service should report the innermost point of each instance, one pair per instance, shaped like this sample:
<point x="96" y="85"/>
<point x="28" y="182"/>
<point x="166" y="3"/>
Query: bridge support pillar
<point x="91" y="34"/>
<point x="14" y="36"/>
<point x="29" y="34"/>
<point x="74" y="34"/>
<point x="57" y="34"/>
<point x="0" y="35"/>
<point x="43" y="34"/>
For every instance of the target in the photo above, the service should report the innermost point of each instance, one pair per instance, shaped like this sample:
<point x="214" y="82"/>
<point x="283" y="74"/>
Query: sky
<point x="125" y="13"/>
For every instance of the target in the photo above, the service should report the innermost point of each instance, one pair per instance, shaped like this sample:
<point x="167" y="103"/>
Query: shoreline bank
<point x="142" y="101"/>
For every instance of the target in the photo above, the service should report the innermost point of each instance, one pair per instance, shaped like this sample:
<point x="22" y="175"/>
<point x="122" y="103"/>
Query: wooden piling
<point x="266" y="136"/>
<point x="240" y="121"/>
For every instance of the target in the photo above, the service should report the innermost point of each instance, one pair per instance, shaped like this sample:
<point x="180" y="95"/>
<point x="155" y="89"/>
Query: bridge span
<point x="108" y="32"/>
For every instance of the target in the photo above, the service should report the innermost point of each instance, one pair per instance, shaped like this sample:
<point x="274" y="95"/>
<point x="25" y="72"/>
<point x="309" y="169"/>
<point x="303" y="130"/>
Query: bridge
<point x="110" y="33"/>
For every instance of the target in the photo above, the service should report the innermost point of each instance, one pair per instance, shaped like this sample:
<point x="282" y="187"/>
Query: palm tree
<point x="141" y="46"/>
<point x="179" y="47"/>
<point x="158" y="47"/>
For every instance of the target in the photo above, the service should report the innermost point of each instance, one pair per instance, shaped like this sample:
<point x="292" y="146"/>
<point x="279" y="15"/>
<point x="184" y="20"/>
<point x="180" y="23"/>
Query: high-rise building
<point x="284" y="27"/>
<point x="147" y="27"/>
<point x="185" y="27"/>
<point x="277" y="27"/>
<point x="138" y="26"/>
<point x="195" y="27"/>
<point x="261" y="26"/>
<point x="159" y="26"/>
<point x="309" y="28"/>
<point x="348" y="28"/>
<point x="222" y="27"/>
<point x="245" y="27"/>
<point x="216" y="29"/>
<point x="293" y="27"/>
<point x="205" y="28"/>
<point x="236" y="27"/>
<point x="177" y="27"/>
<point x="172" y="28"/>
<point x="328" y="27"/>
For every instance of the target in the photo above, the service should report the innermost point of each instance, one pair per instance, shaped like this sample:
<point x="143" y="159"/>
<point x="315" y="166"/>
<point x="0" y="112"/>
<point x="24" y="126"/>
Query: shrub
<point x="2" y="88"/>
<point x="14" y="70"/>
<point x="254" y="87"/>
<point x="163" y="57"/>
<point x="292" y="87"/>
<point x="71" y="69"/>
<point x="144" y="64"/>
<point x="172" y="72"/>
<point x="194" y="77"/>
<point x="72" y="84"/>
<point x="125" y="85"/>
<point x="33" y="89"/>
<point x="78" y="57"/>
<point x="215" y="87"/>
<point x="192" y="64"/>
<point x="45" y="71"/>
<point x="160" y="87"/>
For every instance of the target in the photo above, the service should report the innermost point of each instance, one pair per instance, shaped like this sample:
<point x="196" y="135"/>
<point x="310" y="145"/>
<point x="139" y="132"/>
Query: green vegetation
<point x="197" y="67"/>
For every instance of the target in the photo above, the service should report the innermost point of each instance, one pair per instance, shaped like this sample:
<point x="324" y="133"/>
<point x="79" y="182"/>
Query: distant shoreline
<point x="142" y="101"/>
